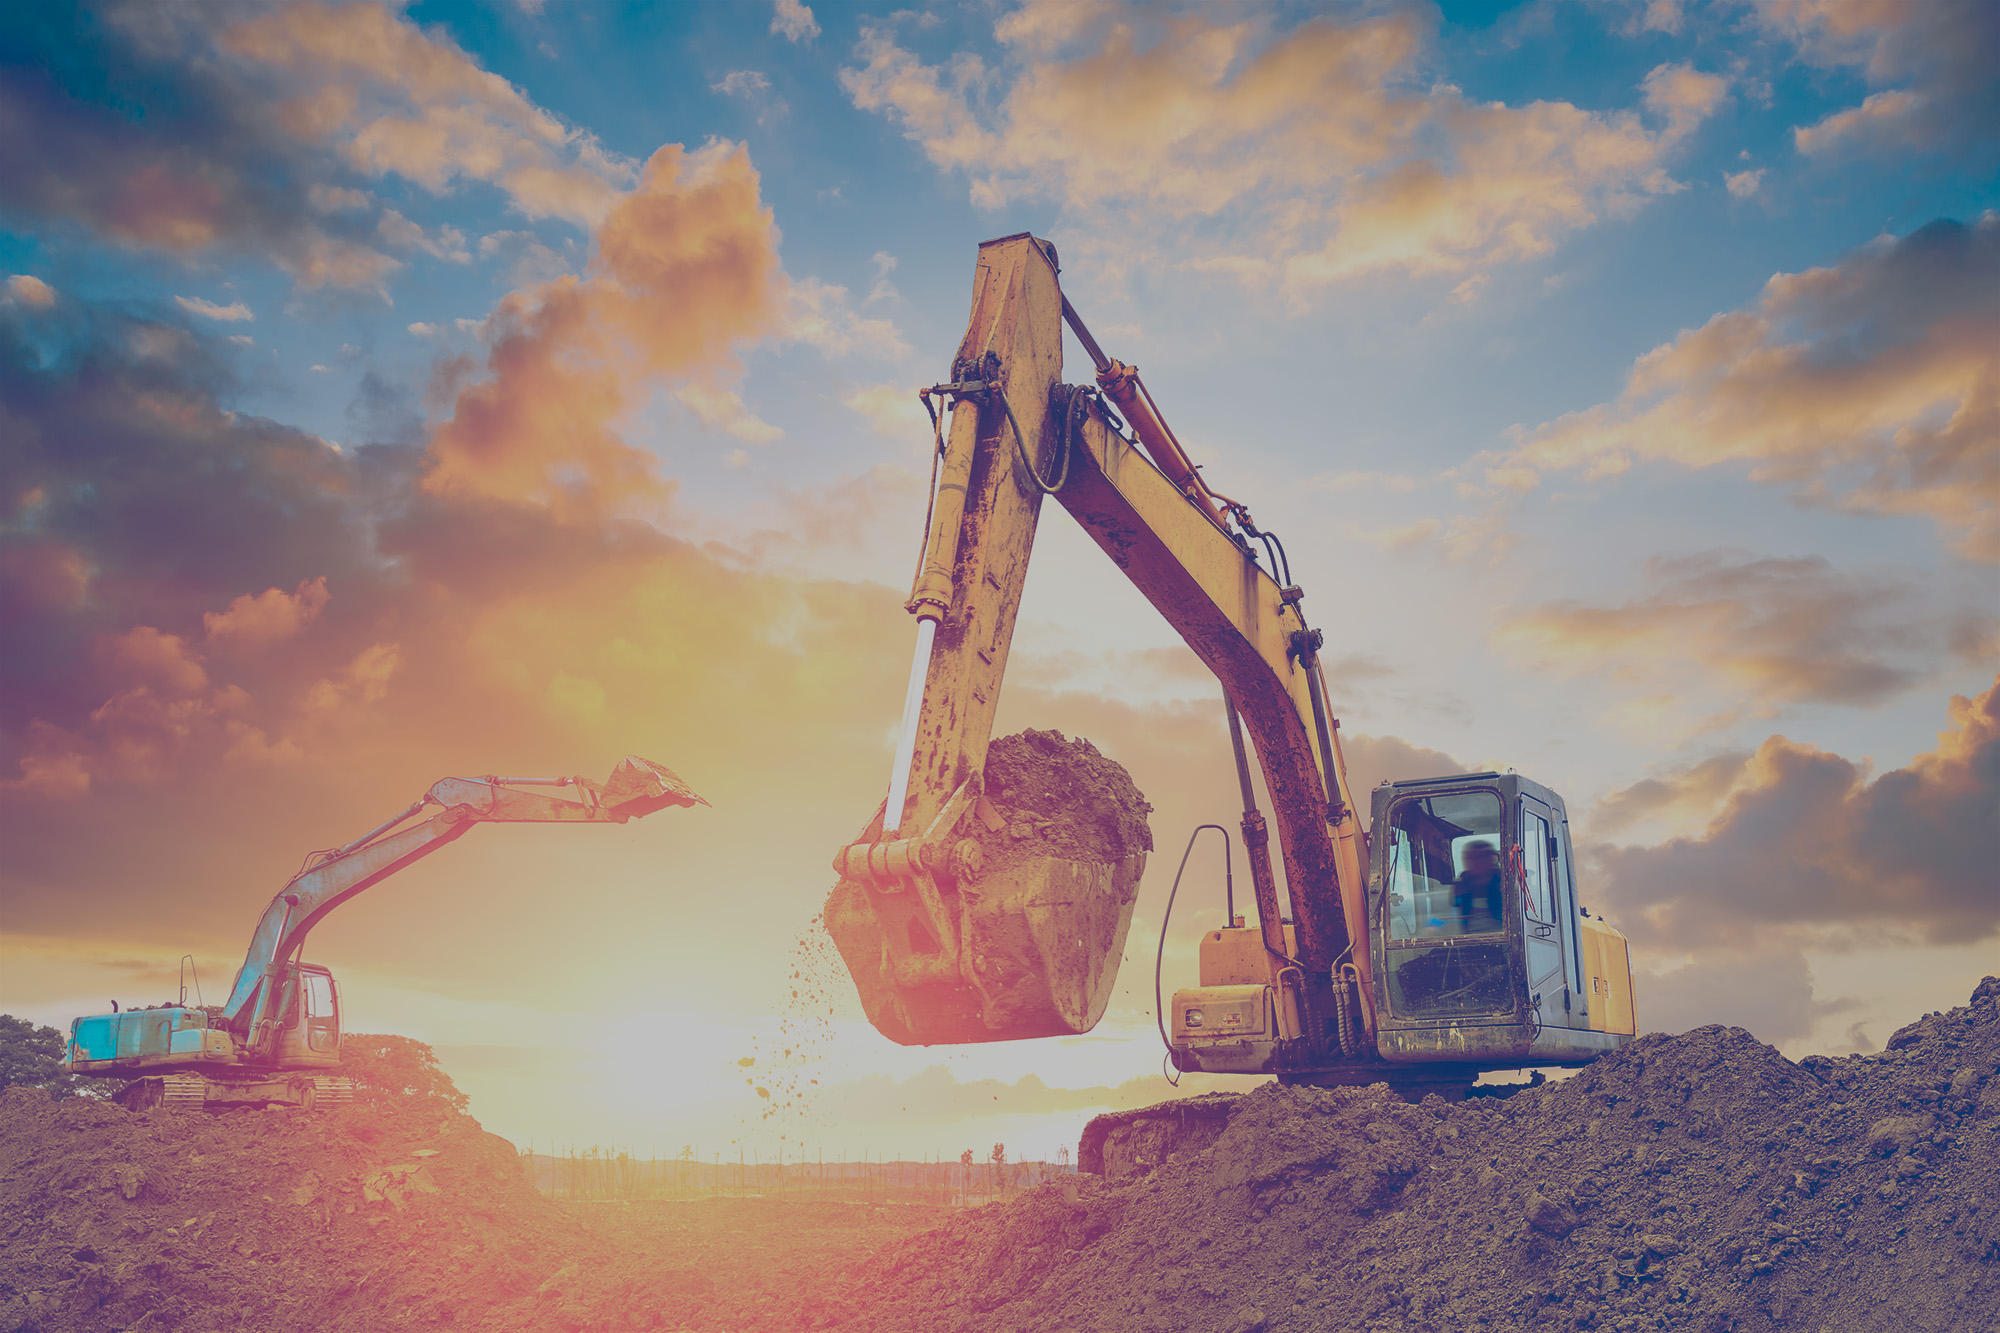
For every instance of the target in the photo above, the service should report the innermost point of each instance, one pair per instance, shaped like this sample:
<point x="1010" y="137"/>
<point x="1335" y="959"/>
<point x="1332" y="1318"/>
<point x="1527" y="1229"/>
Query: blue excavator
<point x="280" y="1026"/>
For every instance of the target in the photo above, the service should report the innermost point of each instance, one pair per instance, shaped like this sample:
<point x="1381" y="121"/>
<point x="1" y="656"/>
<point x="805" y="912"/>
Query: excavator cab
<point x="1482" y="957"/>
<point x="309" y="1030"/>
<point x="1482" y="953"/>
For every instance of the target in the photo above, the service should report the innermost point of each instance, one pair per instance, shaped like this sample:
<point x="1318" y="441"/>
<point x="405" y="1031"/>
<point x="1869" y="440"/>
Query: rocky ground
<point x="1696" y="1182"/>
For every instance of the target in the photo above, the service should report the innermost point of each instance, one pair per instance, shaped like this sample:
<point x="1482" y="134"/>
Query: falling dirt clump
<point x="1699" y="1182"/>
<point x="1060" y="797"/>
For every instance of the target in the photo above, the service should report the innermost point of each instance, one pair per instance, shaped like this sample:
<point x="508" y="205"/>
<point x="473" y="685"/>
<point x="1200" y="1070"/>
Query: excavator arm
<point x="259" y="998"/>
<point x="912" y="914"/>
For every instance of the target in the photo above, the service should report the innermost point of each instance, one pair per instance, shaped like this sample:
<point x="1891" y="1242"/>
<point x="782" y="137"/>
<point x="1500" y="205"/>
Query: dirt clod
<point x="1549" y="1217"/>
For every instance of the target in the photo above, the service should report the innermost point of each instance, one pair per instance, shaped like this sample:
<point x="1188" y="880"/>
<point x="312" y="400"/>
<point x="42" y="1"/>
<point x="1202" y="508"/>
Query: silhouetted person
<point x="1476" y="891"/>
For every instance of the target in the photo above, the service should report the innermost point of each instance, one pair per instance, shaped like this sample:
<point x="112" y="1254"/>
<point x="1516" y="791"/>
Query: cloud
<point x="754" y="89"/>
<point x="530" y="261"/>
<point x="393" y="98"/>
<point x="1872" y="384"/>
<point x="893" y="410"/>
<point x="724" y="410"/>
<point x="195" y="305"/>
<point x="1773" y="993"/>
<point x="883" y="289"/>
<point x="1768" y="632"/>
<point x="185" y="157"/>
<point x="1743" y="184"/>
<point x="741" y="83"/>
<point x="337" y="198"/>
<point x="1930" y="61"/>
<point x="269" y="616"/>
<point x="1291" y="157"/>
<point x="822" y="315"/>
<point x="793" y="21"/>
<point x="235" y="642"/>
<point x="685" y="271"/>
<point x="29" y="290"/>
<point x="1693" y="792"/>
<point x="1666" y="16"/>
<point x="1807" y="848"/>
<point x="447" y="243"/>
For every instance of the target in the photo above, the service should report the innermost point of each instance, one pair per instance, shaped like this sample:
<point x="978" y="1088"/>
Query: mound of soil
<point x="373" y="1217"/>
<point x="1060" y="797"/>
<point x="1697" y="1182"/>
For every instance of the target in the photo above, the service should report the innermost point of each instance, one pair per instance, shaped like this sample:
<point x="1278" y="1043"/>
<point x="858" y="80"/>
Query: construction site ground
<point x="1698" y="1181"/>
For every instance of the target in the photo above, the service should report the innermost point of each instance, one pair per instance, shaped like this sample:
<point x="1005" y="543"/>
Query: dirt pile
<point x="364" y="1218"/>
<point x="1697" y="1182"/>
<point x="1060" y="797"/>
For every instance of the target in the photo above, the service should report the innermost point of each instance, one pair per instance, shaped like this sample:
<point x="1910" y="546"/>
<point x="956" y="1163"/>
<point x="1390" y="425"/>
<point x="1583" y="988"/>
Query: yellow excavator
<point x="1441" y="941"/>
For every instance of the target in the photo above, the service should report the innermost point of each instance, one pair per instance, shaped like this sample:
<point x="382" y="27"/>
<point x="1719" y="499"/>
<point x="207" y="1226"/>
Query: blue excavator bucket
<point x="638" y="787"/>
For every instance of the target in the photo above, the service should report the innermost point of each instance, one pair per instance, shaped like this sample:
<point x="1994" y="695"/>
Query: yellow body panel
<point x="1236" y="957"/>
<point x="1607" y="977"/>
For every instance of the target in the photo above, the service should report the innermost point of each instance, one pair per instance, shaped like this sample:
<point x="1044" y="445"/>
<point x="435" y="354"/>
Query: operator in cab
<point x="1476" y="891"/>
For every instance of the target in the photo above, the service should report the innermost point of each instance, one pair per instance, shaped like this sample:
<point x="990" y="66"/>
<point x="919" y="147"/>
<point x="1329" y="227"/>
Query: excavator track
<point x="193" y="1092"/>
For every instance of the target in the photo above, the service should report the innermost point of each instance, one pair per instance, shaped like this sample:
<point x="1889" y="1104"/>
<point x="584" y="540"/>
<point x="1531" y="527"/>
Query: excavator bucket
<point x="1008" y="920"/>
<point x="638" y="787"/>
<point x="1039" y="949"/>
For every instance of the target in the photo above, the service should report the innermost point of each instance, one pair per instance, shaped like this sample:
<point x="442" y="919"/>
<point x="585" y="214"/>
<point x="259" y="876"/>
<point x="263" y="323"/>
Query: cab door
<point x="1541" y="919"/>
<point x="322" y="1013"/>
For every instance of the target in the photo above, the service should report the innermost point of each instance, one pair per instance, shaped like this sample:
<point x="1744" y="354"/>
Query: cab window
<point x="1444" y="866"/>
<point x="1447" y="945"/>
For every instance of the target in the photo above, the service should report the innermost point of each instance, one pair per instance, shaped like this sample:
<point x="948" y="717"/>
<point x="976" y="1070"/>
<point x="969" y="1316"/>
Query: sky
<point x="393" y="391"/>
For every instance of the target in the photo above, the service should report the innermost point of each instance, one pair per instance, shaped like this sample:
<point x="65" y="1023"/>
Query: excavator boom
<point x="1017" y="434"/>
<point x="282" y="1014"/>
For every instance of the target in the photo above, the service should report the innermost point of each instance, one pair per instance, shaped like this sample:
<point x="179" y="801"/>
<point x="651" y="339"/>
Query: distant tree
<point x="390" y="1066"/>
<point x="31" y="1057"/>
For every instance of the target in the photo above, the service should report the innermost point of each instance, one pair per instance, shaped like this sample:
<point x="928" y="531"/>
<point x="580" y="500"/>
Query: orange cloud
<point x="1872" y="384"/>
<point x="685" y="271"/>
<point x="1291" y="157"/>
<point x="271" y="614"/>
<point x="30" y="290"/>
<point x="1693" y="792"/>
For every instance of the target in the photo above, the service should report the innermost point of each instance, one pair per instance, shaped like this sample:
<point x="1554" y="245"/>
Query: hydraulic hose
<point x="1160" y="957"/>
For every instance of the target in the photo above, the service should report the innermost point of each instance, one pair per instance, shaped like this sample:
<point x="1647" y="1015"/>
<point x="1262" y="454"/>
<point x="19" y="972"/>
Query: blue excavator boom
<point x="281" y="1020"/>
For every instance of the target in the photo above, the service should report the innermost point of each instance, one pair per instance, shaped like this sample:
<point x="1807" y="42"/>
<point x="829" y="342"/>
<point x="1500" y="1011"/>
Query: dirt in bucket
<point x="1059" y="797"/>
